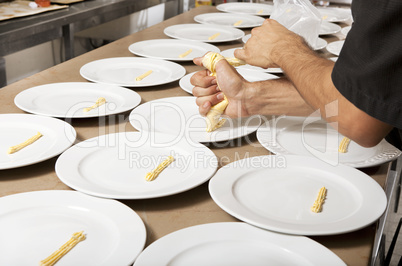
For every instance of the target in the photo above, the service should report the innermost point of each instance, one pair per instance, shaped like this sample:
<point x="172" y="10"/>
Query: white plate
<point x="234" y="244"/>
<point x="285" y="136"/>
<point x="320" y="44"/>
<point x="248" y="75"/>
<point x="335" y="47"/>
<point x="17" y="128"/>
<point x="329" y="28"/>
<point x="345" y="30"/>
<point x="202" y="32"/>
<point x="122" y="71"/>
<point x="246" y="8"/>
<point x="68" y="99"/>
<point x="115" y="166"/>
<point x="230" y="53"/>
<point x="227" y="19"/>
<point x="39" y="222"/>
<point x="276" y="192"/>
<point x="171" y="49"/>
<point x="179" y="117"/>
<point x="334" y="14"/>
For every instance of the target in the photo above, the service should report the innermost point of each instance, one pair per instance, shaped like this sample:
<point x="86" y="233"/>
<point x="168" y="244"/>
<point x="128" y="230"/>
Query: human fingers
<point x="204" y="108"/>
<point x="202" y="79"/>
<point x="204" y="103"/>
<point x="202" y="91"/>
<point x="198" y="61"/>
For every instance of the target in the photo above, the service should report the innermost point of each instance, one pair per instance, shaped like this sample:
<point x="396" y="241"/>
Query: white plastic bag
<point x="299" y="16"/>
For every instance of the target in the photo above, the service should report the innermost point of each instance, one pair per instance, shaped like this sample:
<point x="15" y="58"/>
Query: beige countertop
<point x="168" y="214"/>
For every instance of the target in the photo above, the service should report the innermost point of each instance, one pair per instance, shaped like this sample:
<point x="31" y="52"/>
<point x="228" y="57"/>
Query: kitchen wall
<point x="35" y="59"/>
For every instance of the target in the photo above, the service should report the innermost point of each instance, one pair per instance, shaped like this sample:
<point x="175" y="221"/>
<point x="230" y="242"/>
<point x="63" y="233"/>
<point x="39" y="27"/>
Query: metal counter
<point x="21" y="33"/>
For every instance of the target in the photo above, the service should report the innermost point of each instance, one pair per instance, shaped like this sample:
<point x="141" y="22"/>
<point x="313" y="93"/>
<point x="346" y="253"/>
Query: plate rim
<point x="186" y="98"/>
<point x="331" y="50"/>
<point x="272" y="76"/>
<point x="324" y="43"/>
<point x="301" y="230"/>
<point x="221" y="7"/>
<point x="279" y="150"/>
<point x="256" y="18"/>
<point x="89" y="202"/>
<point x="101" y="87"/>
<point x="70" y="182"/>
<point x="332" y="24"/>
<point x="178" y="67"/>
<point x="231" y="231"/>
<point x="67" y="142"/>
<point x="199" y="43"/>
<point x="337" y="9"/>
<point x="227" y="28"/>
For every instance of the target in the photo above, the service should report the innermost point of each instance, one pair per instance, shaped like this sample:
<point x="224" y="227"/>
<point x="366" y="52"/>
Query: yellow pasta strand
<point x="154" y="173"/>
<point x="58" y="254"/>
<point x="22" y="145"/>
<point x="235" y="61"/>
<point x="343" y="146"/>
<point x="141" y="77"/>
<point x="317" y="206"/>
<point x="324" y="17"/>
<point x="214" y="36"/>
<point x="238" y="23"/>
<point x="260" y="12"/>
<point x="98" y="103"/>
<point x="209" y="61"/>
<point x="186" y="53"/>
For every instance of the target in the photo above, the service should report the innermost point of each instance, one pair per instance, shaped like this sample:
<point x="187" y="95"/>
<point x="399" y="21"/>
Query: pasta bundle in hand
<point x="213" y="117"/>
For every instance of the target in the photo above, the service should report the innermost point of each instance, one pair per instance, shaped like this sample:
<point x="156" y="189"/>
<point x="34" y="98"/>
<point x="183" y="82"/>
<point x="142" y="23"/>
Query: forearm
<point x="311" y="75"/>
<point x="274" y="97"/>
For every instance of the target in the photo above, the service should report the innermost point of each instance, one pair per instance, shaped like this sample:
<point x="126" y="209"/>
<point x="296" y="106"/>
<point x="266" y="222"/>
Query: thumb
<point x="198" y="61"/>
<point x="226" y="75"/>
<point x="240" y="54"/>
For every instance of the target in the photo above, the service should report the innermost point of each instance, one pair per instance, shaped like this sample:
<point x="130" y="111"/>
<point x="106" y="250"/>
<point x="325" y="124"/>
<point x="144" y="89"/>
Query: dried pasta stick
<point x="22" y="145"/>
<point x="98" y="103"/>
<point x="186" y="53"/>
<point x="214" y="36"/>
<point x="317" y="206"/>
<point x="324" y="17"/>
<point x="154" y="173"/>
<point x="238" y="23"/>
<point x="260" y="12"/>
<point x="343" y="146"/>
<point x="141" y="77"/>
<point x="213" y="117"/>
<point x="58" y="254"/>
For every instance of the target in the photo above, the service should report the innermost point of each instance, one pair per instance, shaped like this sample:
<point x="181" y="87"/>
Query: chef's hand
<point x="231" y="83"/>
<point x="267" y="43"/>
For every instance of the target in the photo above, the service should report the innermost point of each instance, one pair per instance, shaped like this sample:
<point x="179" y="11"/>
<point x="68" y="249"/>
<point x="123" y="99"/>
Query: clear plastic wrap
<point x="299" y="16"/>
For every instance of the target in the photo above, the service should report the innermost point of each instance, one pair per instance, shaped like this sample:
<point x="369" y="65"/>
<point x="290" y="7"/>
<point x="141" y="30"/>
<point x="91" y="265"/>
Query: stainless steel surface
<point x="25" y="32"/>
<point x="20" y="33"/>
<point x="383" y="251"/>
